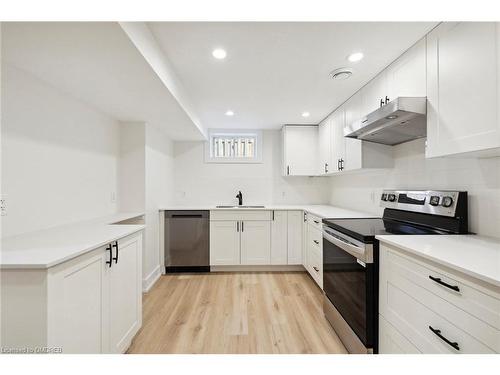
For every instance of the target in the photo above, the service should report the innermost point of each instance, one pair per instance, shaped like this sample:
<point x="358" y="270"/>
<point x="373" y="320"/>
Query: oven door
<point x="348" y="282"/>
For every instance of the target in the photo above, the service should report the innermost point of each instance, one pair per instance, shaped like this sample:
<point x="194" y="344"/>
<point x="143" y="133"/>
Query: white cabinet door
<point x="224" y="243"/>
<point x="373" y="93"/>
<point x="78" y="306"/>
<point x="462" y="88"/>
<point x="407" y="75"/>
<point x="353" y="147"/>
<point x="325" y="151"/>
<point x="279" y="239"/>
<point x="300" y="150"/>
<point x="255" y="242"/>
<point x="125" y="293"/>
<point x="337" y="139"/>
<point x="294" y="234"/>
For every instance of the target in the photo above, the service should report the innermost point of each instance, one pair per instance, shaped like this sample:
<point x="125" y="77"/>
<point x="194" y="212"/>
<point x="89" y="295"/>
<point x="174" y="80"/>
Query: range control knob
<point x="447" y="201"/>
<point x="434" y="201"/>
<point x="384" y="197"/>
<point x="391" y="197"/>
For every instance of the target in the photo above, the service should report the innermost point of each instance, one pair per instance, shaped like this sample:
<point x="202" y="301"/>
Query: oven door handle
<point x="355" y="251"/>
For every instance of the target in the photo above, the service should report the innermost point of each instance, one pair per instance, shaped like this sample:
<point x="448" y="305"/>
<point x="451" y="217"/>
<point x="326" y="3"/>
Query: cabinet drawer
<point x="315" y="264"/>
<point x="468" y="298"/>
<point x="414" y="320"/>
<point x="314" y="221"/>
<point x="316" y="237"/>
<point x="240" y="214"/>
<point x="391" y="341"/>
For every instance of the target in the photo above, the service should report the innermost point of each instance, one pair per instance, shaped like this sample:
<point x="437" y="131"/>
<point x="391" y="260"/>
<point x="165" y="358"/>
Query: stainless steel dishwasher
<point x="187" y="241"/>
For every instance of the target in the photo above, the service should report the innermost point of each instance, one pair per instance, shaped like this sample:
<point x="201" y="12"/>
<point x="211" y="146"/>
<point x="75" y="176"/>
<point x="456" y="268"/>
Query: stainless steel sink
<point x="240" y="206"/>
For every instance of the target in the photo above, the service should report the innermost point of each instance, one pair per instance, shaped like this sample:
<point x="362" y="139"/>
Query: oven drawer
<point x="468" y="298"/>
<point x="315" y="263"/>
<point x="412" y="306"/>
<point x="315" y="221"/>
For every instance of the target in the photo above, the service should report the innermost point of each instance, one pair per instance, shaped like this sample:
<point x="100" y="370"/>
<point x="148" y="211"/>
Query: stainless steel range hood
<point x="402" y="119"/>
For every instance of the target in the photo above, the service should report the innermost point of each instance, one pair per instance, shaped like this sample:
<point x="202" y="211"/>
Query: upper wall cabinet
<point x="300" y="143"/>
<point x="462" y="90"/>
<point x="406" y="76"/>
<point x="341" y="154"/>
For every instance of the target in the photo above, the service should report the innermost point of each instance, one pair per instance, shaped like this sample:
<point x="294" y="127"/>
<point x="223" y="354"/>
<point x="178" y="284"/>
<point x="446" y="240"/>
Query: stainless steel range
<point x="350" y="257"/>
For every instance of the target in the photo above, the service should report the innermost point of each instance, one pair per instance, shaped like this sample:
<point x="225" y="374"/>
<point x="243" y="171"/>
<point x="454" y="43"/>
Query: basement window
<point x="233" y="146"/>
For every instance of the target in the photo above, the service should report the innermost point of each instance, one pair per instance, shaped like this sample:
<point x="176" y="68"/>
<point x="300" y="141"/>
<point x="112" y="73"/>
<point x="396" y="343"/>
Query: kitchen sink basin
<point x="240" y="207"/>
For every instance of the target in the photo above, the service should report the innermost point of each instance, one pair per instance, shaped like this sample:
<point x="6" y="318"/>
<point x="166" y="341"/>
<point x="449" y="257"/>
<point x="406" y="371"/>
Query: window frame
<point x="257" y="158"/>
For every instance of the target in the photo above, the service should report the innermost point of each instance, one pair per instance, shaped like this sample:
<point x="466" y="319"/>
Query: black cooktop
<point x="365" y="229"/>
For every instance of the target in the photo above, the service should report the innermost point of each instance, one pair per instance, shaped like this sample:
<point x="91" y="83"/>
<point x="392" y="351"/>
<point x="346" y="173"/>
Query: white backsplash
<point x="197" y="182"/>
<point x="479" y="177"/>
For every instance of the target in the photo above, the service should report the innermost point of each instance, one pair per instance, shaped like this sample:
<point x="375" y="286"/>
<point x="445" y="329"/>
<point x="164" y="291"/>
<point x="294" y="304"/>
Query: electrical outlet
<point x="3" y="205"/>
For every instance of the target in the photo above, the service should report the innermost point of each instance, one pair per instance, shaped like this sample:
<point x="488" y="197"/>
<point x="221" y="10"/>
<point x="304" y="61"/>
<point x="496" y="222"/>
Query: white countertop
<point x="47" y="248"/>
<point x="323" y="211"/>
<point x="476" y="256"/>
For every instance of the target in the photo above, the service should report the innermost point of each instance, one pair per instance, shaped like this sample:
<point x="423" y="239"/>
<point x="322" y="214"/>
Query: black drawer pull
<point x="439" y="281"/>
<point x="115" y="245"/>
<point x="317" y="222"/>
<point x="437" y="332"/>
<point x="316" y="242"/>
<point x="110" y="261"/>
<point x="316" y="269"/>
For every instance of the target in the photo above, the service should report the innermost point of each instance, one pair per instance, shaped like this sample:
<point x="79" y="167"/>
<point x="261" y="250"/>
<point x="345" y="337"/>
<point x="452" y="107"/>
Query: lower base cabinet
<point x="79" y="306"/>
<point x="314" y="249"/>
<point x="255" y="238"/>
<point x="425" y="307"/>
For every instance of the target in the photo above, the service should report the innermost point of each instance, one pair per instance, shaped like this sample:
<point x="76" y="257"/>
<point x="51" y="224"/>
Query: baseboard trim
<point x="263" y="268"/>
<point x="151" y="279"/>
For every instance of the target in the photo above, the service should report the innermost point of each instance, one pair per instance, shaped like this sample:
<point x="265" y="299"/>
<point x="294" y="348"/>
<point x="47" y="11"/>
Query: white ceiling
<point x="98" y="64"/>
<point x="275" y="71"/>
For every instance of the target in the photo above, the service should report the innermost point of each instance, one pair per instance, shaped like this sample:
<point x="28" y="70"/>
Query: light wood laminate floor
<point x="252" y="312"/>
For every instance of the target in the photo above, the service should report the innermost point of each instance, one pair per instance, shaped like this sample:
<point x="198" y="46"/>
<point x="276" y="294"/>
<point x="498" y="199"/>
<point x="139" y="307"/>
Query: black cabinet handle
<point x="242" y="226"/>
<point x="316" y="221"/>
<point x="441" y="282"/>
<point x="287" y="170"/>
<point x="273" y="215"/>
<point x="110" y="261"/>
<point x="437" y="332"/>
<point x="316" y="242"/>
<point x="386" y="99"/>
<point x="305" y="217"/>
<point x="316" y="269"/>
<point x="115" y="245"/>
<point x="381" y="102"/>
<point x="237" y="226"/>
<point x="338" y="165"/>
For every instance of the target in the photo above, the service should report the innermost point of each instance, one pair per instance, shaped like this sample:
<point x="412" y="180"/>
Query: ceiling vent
<point x="341" y="74"/>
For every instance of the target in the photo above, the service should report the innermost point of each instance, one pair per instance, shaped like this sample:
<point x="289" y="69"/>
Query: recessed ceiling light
<point x="305" y="114"/>
<point x="219" y="53"/>
<point x="229" y="113"/>
<point x="355" y="57"/>
<point x="341" y="73"/>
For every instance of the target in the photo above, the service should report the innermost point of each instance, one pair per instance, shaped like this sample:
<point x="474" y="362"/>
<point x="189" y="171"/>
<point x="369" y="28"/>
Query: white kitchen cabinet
<point x="352" y="154"/>
<point x="314" y="249"/>
<point x="279" y="237"/>
<point x="324" y="149"/>
<point x="406" y="77"/>
<point x="429" y="308"/>
<point x="224" y="242"/>
<point x="255" y="242"/>
<point x="300" y="144"/>
<point x="78" y="293"/>
<point x="80" y="306"/>
<point x="125" y="294"/>
<point x="294" y="237"/>
<point x="373" y="94"/>
<point x="462" y="90"/>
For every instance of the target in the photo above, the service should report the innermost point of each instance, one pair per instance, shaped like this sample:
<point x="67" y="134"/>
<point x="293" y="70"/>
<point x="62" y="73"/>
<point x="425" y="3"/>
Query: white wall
<point x="480" y="177"/>
<point x="159" y="152"/>
<point x="59" y="156"/>
<point x="132" y="164"/>
<point x="197" y="182"/>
